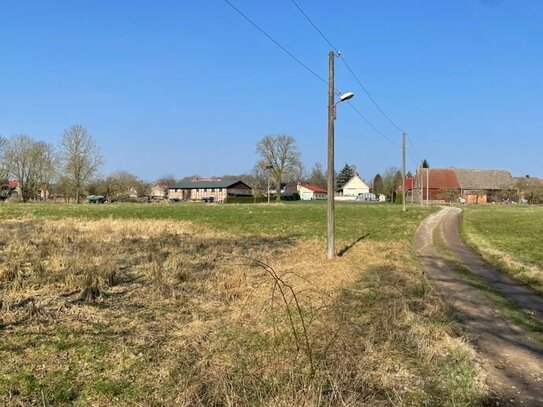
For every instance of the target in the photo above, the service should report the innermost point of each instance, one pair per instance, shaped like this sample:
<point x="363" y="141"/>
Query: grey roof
<point x="529" y="181"/>
<point x="484" y="179"/>
<point x="206" y="184"/>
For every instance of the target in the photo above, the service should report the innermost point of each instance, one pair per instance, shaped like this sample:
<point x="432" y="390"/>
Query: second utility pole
<point x="403" y="173"/>
<point x="330" y="242"/>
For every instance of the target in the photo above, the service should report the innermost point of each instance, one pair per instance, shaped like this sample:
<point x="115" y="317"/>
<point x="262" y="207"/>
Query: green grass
<point x="531" y="325"/>
<point x="296" y="220"/>
<point x="510" y="237"/>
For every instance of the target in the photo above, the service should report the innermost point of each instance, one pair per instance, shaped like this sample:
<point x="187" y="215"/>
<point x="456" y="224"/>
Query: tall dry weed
<point x="196" y="317"/>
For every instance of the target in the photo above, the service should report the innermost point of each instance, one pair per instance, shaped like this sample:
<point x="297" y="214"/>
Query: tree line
<point x="37" y="165"/>
<point x="71" y="169"/>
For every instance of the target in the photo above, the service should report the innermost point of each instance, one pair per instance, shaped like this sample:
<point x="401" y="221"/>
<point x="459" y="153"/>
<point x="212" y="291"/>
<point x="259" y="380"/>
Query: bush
<point x="287" y="196"/>
<point x="290" y="196"/>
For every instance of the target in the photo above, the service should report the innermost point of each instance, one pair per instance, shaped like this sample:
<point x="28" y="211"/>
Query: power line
<point x="286" y="51"/>
<point x="372" y="126"/>
<point x="416" y="160"/>
<point x="346" y="65"/>
<point x="315" y="74"/>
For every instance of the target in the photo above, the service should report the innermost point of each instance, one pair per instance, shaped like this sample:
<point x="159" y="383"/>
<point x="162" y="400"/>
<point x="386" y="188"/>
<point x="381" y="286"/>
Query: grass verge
<point x="531" y="325"/>
<point x="509" y="237"/>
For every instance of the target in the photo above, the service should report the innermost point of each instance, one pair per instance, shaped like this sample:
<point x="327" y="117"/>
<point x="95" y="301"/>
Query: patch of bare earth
<point x="136" y="312"/>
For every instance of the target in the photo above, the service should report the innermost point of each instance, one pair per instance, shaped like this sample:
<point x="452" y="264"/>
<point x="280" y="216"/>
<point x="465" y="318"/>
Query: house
<point x="212" y="189"/>
<point x="9" y="189"/>
<point x="159" y="191"/>
<point x="310" y="192"/>
<point x="354" y="187"/>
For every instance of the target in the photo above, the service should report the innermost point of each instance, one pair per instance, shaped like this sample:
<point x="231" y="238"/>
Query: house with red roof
<point x="309" y="192"/>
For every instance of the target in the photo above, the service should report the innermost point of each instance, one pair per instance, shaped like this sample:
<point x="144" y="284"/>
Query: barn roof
<point x="207" y="184"/>
<point x="484" y="179"/>
<point x="438" y="178"/>
<point x="530" y="181"/>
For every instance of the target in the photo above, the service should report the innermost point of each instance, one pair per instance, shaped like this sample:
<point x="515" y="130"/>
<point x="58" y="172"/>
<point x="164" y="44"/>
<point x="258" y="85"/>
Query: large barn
<point x="216" y="190"/>
<point x="473" y="185"/>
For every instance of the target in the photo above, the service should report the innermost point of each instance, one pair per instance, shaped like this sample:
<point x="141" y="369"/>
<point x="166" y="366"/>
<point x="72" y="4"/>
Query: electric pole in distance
<point x="403" y="172"/>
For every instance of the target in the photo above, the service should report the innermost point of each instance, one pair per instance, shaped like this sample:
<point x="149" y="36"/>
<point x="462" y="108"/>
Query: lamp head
<point x="346" y="96"/>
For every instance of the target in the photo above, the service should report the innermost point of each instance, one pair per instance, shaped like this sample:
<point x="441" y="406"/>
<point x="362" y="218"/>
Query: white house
<point x="354" y="187"/>
<point x="310" y="192"/>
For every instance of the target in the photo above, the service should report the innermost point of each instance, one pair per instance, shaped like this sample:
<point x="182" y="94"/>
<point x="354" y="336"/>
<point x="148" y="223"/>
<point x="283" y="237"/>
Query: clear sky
<point x="189" y="87"/>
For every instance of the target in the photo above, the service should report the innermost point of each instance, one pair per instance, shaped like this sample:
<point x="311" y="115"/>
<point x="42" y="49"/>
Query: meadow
<point x="293" y="219"/>
<point x="222" y="305"/>
<point x="510" y="237"/>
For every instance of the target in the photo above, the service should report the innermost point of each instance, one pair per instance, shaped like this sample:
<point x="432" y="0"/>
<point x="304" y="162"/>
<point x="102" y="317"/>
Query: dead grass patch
<point x="169" y="313"/>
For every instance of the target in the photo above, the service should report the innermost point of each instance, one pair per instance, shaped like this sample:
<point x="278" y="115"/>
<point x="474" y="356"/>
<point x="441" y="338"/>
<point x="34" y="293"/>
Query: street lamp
<point x="331" y="224"/>
<point x="345" y="96"/>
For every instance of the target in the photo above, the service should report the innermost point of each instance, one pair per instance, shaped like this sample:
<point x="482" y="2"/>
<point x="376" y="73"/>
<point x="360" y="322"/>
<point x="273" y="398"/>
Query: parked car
<point x="96" y="199"/>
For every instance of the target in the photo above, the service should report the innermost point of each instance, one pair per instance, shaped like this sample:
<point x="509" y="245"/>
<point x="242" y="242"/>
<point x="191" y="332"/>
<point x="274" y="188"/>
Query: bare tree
<point x="168" y="180"/>
<point x="81" y="157"/>
<point x="46" y="166"/>
<point x="3" y="163"/>
<point x="391" y="181"/>
<point x="21" y="157"/>
<point x="317" y="176"/>
<point x="281" y="156"/>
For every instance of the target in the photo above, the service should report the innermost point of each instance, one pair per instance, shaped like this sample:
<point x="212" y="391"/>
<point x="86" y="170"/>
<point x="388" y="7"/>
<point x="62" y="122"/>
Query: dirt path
<point x="513" y="364"/>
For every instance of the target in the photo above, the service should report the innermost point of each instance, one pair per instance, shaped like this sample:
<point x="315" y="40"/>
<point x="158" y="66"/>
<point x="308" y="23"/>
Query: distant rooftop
<point x="206" y="183"/>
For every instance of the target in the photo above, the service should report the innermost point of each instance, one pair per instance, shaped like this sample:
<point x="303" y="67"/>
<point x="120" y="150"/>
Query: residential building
<point x="354" y="187"/>
<point x="310" y="192"/>
<point x="214" y="189"/>
<point x="159" y="191"/>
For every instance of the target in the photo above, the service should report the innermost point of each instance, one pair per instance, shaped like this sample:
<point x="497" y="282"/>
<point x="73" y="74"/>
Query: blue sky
<point x="190" y="87"/>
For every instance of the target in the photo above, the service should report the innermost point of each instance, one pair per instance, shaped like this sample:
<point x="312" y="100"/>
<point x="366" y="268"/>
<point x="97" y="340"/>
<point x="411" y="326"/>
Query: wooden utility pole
<point x="330" y="243"/>
<point x="403" y="173"/>
<point x="427" y="186"/>
<point x="421" y="185"/>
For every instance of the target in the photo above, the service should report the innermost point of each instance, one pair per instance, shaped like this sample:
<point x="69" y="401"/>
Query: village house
<point x="310" y="192"/>
<point x="208" y="189"/>
<point x="159" y="191"/>
<point x="352" y="189"/>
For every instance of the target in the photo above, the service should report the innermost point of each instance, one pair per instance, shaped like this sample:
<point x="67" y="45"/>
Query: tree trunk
<point x="278" y="189"/>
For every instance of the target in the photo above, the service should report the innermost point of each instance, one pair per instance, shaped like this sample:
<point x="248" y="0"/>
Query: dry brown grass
<point x="170" y="313"/>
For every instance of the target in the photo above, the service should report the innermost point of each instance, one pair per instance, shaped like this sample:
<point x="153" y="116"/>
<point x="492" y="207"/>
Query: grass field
<point x="219" y="305"/>
<point x="511" y="237"/>
<point x="296" y="220"/>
